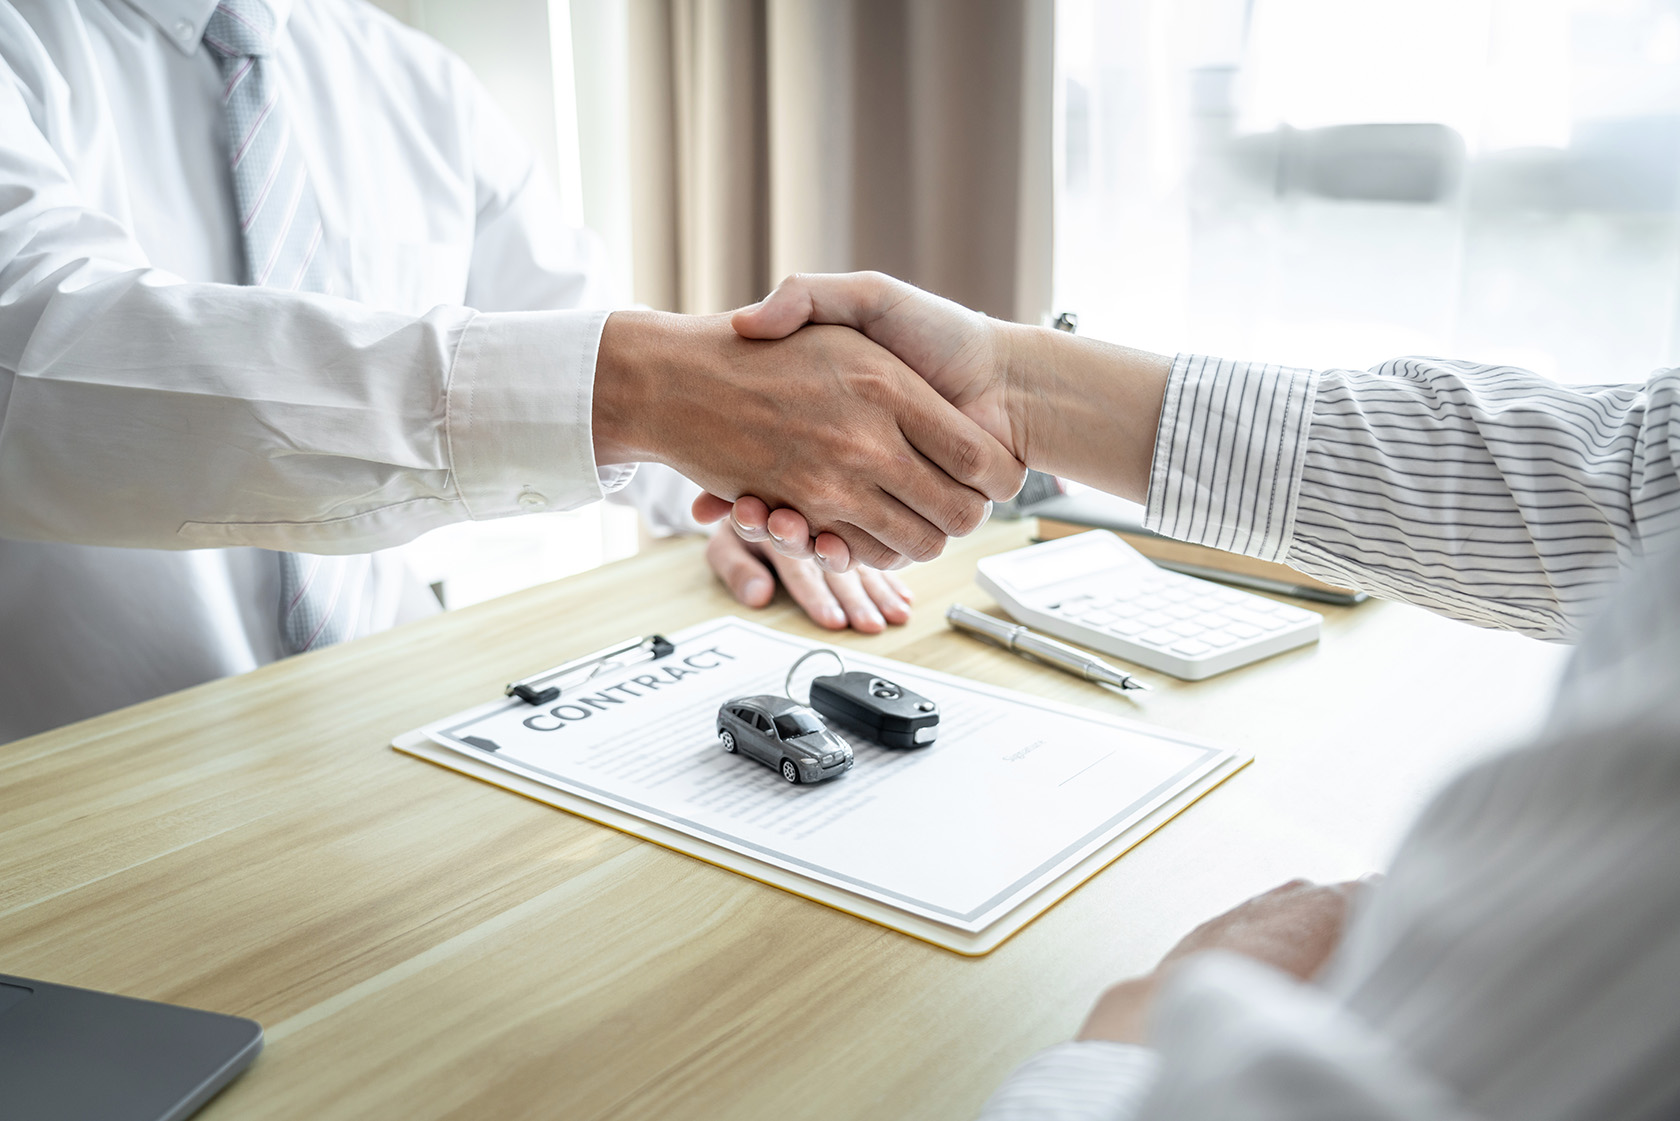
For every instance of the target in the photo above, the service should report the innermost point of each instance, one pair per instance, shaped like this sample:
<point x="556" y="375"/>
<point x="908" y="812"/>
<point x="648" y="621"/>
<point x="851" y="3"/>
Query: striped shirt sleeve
<point x="1486" y="493"/>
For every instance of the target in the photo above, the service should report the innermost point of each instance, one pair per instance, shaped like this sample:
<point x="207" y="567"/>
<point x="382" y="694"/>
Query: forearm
<point x="137" y="409"/>
<point x="141" y="411"/>
<point x="1488" y="494"/>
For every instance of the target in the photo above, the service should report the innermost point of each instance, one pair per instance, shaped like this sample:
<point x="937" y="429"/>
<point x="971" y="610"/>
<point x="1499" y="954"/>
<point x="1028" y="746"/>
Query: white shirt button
<point x="530" y="499"/>
<point x="184" y="30"/>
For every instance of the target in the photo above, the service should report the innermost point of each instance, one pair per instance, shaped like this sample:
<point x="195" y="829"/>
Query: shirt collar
<point x="182" y="21"/>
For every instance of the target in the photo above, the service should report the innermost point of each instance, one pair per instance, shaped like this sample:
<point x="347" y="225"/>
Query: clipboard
<point x="962" y="942"/>
<point x="970" y="934"/>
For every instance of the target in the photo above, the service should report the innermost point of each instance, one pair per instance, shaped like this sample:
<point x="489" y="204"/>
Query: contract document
<point x="1014" y="793"/>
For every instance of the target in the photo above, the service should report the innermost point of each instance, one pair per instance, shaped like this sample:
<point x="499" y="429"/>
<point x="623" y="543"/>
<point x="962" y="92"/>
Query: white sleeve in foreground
<point x="1084" y="1081"/>
<point x="1241" y="1042"/>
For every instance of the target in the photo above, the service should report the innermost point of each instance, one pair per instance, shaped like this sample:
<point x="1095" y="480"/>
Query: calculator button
<point x="1218" y="639"/>
<point x="1242" y="630"/>
<point x="1186" y="628"/>
<point x="1128" y="628"/>
<point x="1154" y="619"/>
<point x="1191" y="648"/>
<point x="1158" y="638"/>
<point x="1099" y="618"/>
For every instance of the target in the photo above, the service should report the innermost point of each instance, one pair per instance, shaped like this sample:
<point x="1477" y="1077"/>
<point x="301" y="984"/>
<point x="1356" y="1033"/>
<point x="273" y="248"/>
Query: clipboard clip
<point x="532" y="691"/>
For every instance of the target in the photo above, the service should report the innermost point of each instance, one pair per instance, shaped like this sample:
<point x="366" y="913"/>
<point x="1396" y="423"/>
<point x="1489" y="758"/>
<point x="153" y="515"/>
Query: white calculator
<point x="1098" y="591"/>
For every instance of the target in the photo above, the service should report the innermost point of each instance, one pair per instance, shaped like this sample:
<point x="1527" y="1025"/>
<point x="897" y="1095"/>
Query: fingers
<point x="849" y="299"/>
<point x="860" y="607"/>
<point x="708" y="508"/>
<point x="757" y="517"/>
<point x="966" y="452"/>
<point x="790" y="535"/>
<point x="884" y="591"/>
<point x="858" y="546"/>
<point x="833" y="554"/>
<point x="810" y="590"/>
<point x="866" y="599"/>
<point x="746" y="577"/>
<point x="789" y="532"/>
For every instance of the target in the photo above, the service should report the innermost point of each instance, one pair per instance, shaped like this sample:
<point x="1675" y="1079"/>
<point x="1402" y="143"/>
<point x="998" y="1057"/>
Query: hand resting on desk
<point x="864" y="599"/>
<point x="1295" y="928"/>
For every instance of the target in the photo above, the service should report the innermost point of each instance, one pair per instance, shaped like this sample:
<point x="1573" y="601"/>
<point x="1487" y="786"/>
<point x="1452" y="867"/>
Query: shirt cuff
<point x="1091" y="1080"/>
<point x="518" y="414"/>
<point x="1229" y="453"/>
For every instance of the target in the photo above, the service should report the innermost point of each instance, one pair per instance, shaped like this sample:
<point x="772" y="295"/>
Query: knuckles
<point x="968" y="513"/>
<point x="926" y="546"/>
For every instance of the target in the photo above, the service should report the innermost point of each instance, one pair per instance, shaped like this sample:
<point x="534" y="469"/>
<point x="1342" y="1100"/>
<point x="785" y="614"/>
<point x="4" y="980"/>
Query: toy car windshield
<point x="792" y="725"/>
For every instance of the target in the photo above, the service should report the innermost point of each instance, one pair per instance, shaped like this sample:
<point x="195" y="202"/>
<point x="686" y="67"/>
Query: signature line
<point x="1082" y="770"/>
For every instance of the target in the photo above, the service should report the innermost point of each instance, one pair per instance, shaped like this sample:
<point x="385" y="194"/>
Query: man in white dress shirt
<point x="277" y="275"/>
<point x="1521" y="959"/>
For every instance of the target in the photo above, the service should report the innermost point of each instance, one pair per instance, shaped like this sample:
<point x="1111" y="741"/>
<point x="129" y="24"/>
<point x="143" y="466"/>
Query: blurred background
<point x="1315" y="182"/>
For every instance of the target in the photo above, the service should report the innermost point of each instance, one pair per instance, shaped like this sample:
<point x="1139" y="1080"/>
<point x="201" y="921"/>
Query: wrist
<point x="1086" y="410"/>
<point x="629" y="368"/>
<point x="1031" y="392"/>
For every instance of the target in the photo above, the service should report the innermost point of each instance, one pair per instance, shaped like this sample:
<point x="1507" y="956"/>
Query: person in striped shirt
<point x="1521" y="959"/>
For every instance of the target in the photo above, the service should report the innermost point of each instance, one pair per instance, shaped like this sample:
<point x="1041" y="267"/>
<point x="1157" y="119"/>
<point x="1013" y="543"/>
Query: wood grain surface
<point x="419" y="945"/>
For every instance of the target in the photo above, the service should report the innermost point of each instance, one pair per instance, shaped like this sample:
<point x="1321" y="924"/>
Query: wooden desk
<point x="419" y="945"/>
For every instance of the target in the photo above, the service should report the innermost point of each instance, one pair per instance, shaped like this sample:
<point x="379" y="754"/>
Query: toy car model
<point x="783" y="735"/>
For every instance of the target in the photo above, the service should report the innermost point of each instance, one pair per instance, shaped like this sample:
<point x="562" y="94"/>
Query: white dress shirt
<point x="1522" y="959"/>
<point x="157" y="420"/>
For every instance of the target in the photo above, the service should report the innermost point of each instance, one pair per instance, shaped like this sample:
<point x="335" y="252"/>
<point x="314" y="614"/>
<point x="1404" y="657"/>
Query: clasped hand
<point x="1075" y="408"/>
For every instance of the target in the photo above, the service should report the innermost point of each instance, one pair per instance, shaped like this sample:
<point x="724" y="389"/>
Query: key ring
<point x="787" y="683"/>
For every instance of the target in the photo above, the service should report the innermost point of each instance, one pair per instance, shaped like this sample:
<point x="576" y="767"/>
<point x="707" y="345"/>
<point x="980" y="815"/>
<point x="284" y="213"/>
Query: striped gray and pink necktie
<point x="280" y="224"/>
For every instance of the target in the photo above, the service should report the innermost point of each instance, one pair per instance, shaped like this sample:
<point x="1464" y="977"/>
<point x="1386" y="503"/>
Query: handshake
<point x="855" y="419"/>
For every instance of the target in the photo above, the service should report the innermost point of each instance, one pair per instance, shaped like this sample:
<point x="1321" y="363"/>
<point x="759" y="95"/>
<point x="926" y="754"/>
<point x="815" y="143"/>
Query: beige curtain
<point x="775" y="136"/>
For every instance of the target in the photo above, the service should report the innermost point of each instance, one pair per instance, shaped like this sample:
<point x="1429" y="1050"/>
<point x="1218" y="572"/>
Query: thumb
<point x="777" y="315"/>
<point x="848" y="299"/>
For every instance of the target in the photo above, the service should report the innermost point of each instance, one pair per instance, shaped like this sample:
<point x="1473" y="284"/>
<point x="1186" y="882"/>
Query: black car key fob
<point x="883" y="710"/>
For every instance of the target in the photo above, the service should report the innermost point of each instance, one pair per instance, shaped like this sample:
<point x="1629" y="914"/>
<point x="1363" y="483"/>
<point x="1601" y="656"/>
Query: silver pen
<point x="1025" y="641"/>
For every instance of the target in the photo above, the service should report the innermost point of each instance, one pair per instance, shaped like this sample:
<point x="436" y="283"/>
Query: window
<point x="1336" y="182"/>
<point x="792" y="725"/>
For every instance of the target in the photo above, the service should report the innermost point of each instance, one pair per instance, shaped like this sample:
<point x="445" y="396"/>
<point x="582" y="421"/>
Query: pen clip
<point x="656" y="646"/>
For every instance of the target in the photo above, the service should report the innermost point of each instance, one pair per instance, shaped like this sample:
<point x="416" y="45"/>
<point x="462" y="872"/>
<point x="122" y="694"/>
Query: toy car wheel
<point x="790" y="772"/>
<point x="728" y="739"/>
